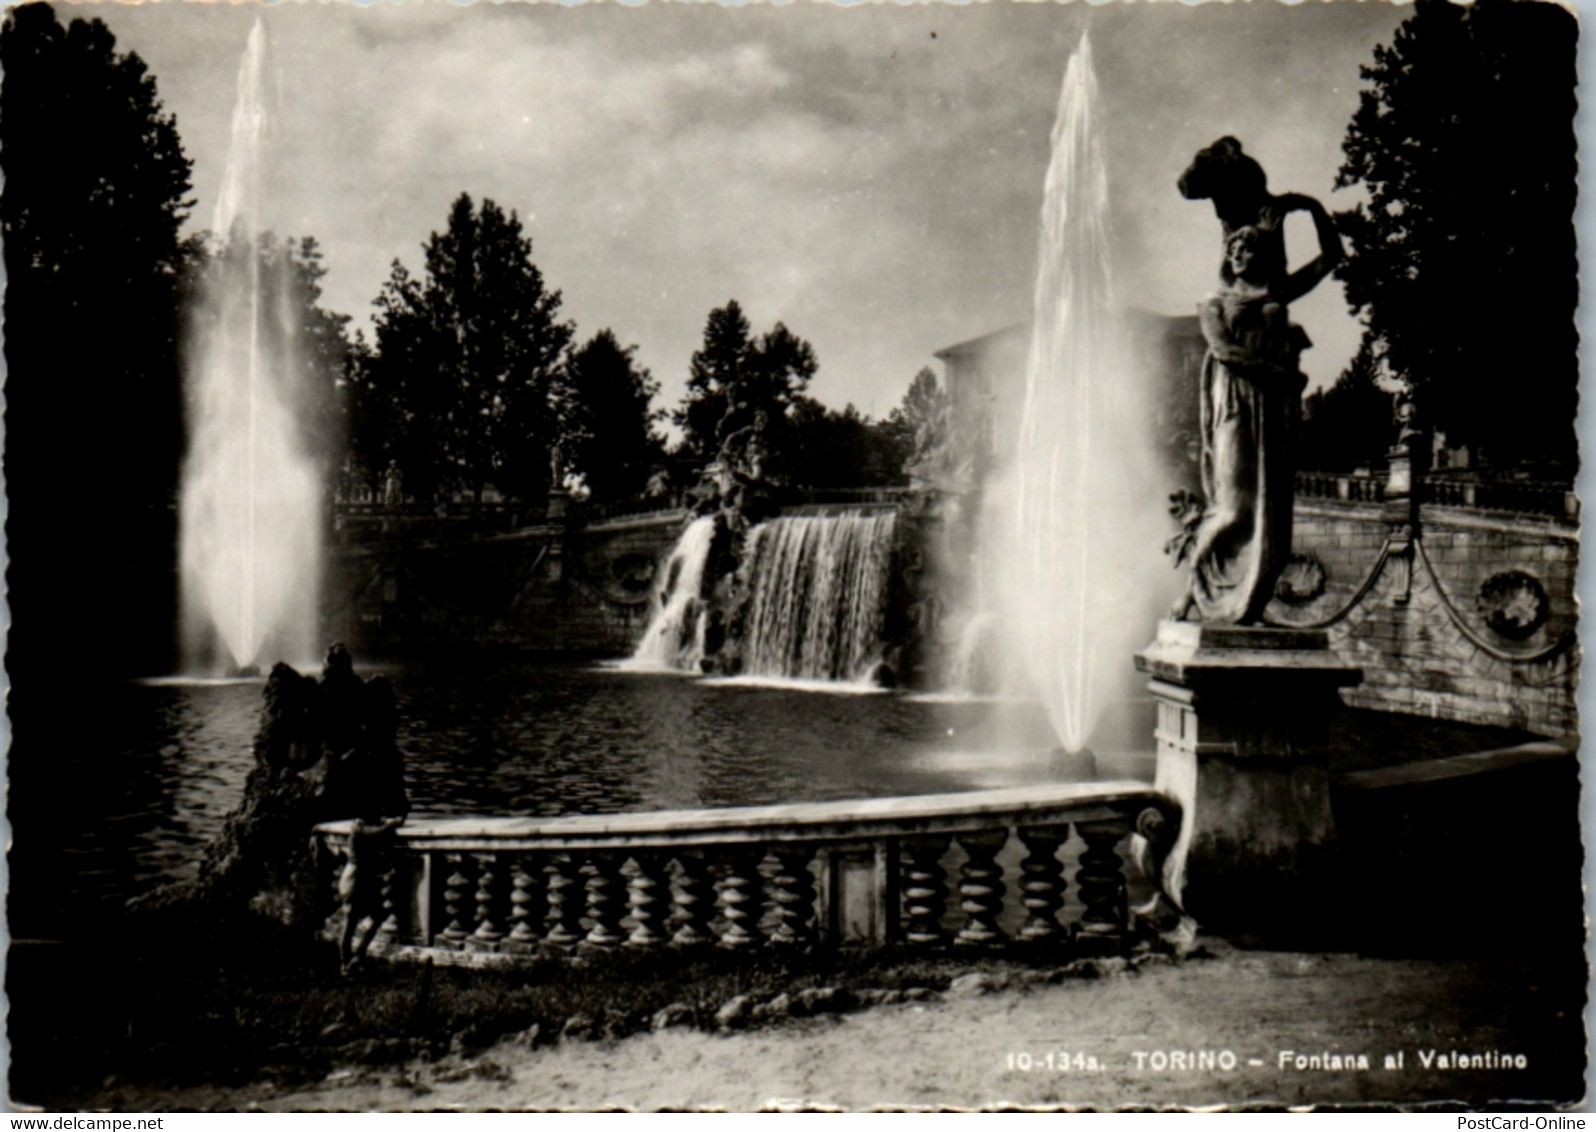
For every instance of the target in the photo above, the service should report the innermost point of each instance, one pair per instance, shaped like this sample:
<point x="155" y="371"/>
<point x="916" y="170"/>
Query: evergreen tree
<point x="918" y="426"/>
<point x="1349" y="424"/>
<point x="734" y="377"/>
<point x="831" y="449"/>
<point x="607" y="418"/>
<point x="1464" y="269"/>
<point x="458" y="388"/>
<point x="715" y="372"/>
<point x="95" y="192"/>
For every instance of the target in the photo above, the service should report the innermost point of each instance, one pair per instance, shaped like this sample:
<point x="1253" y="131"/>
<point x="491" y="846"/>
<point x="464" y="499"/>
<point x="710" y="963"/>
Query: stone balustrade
<point x="801" y="875"/>
<point x="1556" y="501"/>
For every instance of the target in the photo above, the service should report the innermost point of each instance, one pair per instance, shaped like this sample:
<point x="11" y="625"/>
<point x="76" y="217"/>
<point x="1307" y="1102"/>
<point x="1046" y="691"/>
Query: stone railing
<point x="441" y="516"/>
<point x="1520" y="497"/>
<point x="1340" y="486"/>
<point x="850" y="495"/>
<point x="621" y="510"/>
<point x="824" y="873"/>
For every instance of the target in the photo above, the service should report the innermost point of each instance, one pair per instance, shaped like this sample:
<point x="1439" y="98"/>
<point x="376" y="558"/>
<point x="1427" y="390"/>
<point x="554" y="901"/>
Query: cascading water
<point x="1074" y="531"/>
<point x="674" y="638"/>
<point x="251" y="491"/>
<point x="819" y="599"/>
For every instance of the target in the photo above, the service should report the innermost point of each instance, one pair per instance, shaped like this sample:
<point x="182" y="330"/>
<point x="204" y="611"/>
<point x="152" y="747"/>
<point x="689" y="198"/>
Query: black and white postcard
<point x="792" y="557"/>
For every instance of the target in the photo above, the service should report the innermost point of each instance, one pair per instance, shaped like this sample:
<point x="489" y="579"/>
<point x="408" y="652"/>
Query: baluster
<point x="981" y="886"/>
<point x="523" y="937"/>
<point x="488" y="933"/>
<point x="455" y="887"/>
<point x="1101" y="879"/>
<point x="649" y="895"/>
<point x="388" y="931"/>
<point x="604" y="905"/>
<point x="565" y="912"/>
<point x="695" y="900"/>
<point x="793" y="888"/>
<point x="1043" y="883"/>
<point x="742" y="897"/>
<point x="925" y="890"/>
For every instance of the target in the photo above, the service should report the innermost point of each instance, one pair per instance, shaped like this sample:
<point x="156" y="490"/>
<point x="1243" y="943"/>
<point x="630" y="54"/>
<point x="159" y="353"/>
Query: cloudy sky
<point x="869" y="175"/>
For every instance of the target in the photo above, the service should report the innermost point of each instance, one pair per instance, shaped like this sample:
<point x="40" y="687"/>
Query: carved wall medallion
<point x="1514" y="604"/>
<point x="1301" y="581"/>
<point x="631" y="577"/>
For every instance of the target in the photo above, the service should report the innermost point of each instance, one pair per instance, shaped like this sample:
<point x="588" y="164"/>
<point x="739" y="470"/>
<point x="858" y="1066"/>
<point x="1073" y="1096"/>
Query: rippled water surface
<point x="147" y="778"/>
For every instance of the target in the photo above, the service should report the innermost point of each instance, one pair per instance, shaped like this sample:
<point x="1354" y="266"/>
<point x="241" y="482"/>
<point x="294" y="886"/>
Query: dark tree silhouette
<point x="1347" y="424"/>
<point x="734" y="377"/>
<point x="831" y="449"/>
<point x="95" y="192"/>
<point x="716" y="370"/>
<point x="605" y="407"/>
<point x="458" y="387"/>
<point x="1463" y="268"/>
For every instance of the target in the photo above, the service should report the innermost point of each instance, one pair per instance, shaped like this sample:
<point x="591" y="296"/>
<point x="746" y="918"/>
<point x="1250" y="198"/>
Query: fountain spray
<point x="1078" y="521"/>
<point x="251" y="550"/>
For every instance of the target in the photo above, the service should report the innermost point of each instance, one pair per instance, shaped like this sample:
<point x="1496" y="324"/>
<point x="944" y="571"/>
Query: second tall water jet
<point x="251" y="544"/>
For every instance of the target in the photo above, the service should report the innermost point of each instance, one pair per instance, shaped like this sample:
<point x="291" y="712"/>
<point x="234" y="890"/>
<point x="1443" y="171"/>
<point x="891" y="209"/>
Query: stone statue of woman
<point x="1251" y="388"/>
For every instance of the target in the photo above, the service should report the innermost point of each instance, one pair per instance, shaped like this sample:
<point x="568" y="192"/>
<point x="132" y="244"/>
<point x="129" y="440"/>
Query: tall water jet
<point x="1073" y="529"/>
<point x="251" y="551"/>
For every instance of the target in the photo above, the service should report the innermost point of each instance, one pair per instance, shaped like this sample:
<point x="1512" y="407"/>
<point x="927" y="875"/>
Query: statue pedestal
<point x="1243" y="718"/>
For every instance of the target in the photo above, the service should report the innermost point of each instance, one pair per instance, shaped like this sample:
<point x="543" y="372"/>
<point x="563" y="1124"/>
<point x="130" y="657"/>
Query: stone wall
<point x="1475" y="623"/>
<point x="557" y="586"/>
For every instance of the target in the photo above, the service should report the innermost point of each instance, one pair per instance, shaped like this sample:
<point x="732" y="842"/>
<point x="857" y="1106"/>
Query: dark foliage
<point x="1348" y="424"/>
<point x="96" y="187"/>
<point x="734" y="377"/>
<point x="604" y="405"/>
<point x="1464" y="269"/>
<point x="458" y="389"/>
<point x="832" y="449"/>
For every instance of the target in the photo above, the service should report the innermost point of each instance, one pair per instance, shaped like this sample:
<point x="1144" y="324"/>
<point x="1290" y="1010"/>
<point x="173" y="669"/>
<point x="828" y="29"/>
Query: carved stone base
<point x="1243" y="715"/>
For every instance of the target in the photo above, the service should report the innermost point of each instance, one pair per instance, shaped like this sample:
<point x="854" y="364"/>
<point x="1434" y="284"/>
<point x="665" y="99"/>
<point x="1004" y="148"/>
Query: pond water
<point x="153" y="770"/>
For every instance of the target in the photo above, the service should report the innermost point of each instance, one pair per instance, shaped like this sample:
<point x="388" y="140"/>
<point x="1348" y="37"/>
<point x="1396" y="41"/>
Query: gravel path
<point x="1114" y="1042"/>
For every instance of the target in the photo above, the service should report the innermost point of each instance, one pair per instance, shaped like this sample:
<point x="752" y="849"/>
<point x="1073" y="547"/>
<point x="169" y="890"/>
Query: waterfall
<point x="674" y="638"/>
<point x="1077" y="525"/>
<point x="251" y="539"/>
<point x="819" y="596"/>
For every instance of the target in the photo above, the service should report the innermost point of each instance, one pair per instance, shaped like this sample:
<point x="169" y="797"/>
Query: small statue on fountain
<point x="1240" y="540"/>
<point x="393" y="490"/>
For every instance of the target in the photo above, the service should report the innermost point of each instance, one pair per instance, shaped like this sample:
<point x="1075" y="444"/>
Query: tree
<point x="734" y="377"/>
<point x="458" y="388"/>
<point x="1349" y="424"/>
<point x="605" y="408"/>
<point x="918" y="427"/>
<point x="715" y="371"/>
<point x="96" y="190"/>
<point x="832" y="449"/>
<point x="1464" y="271"/>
